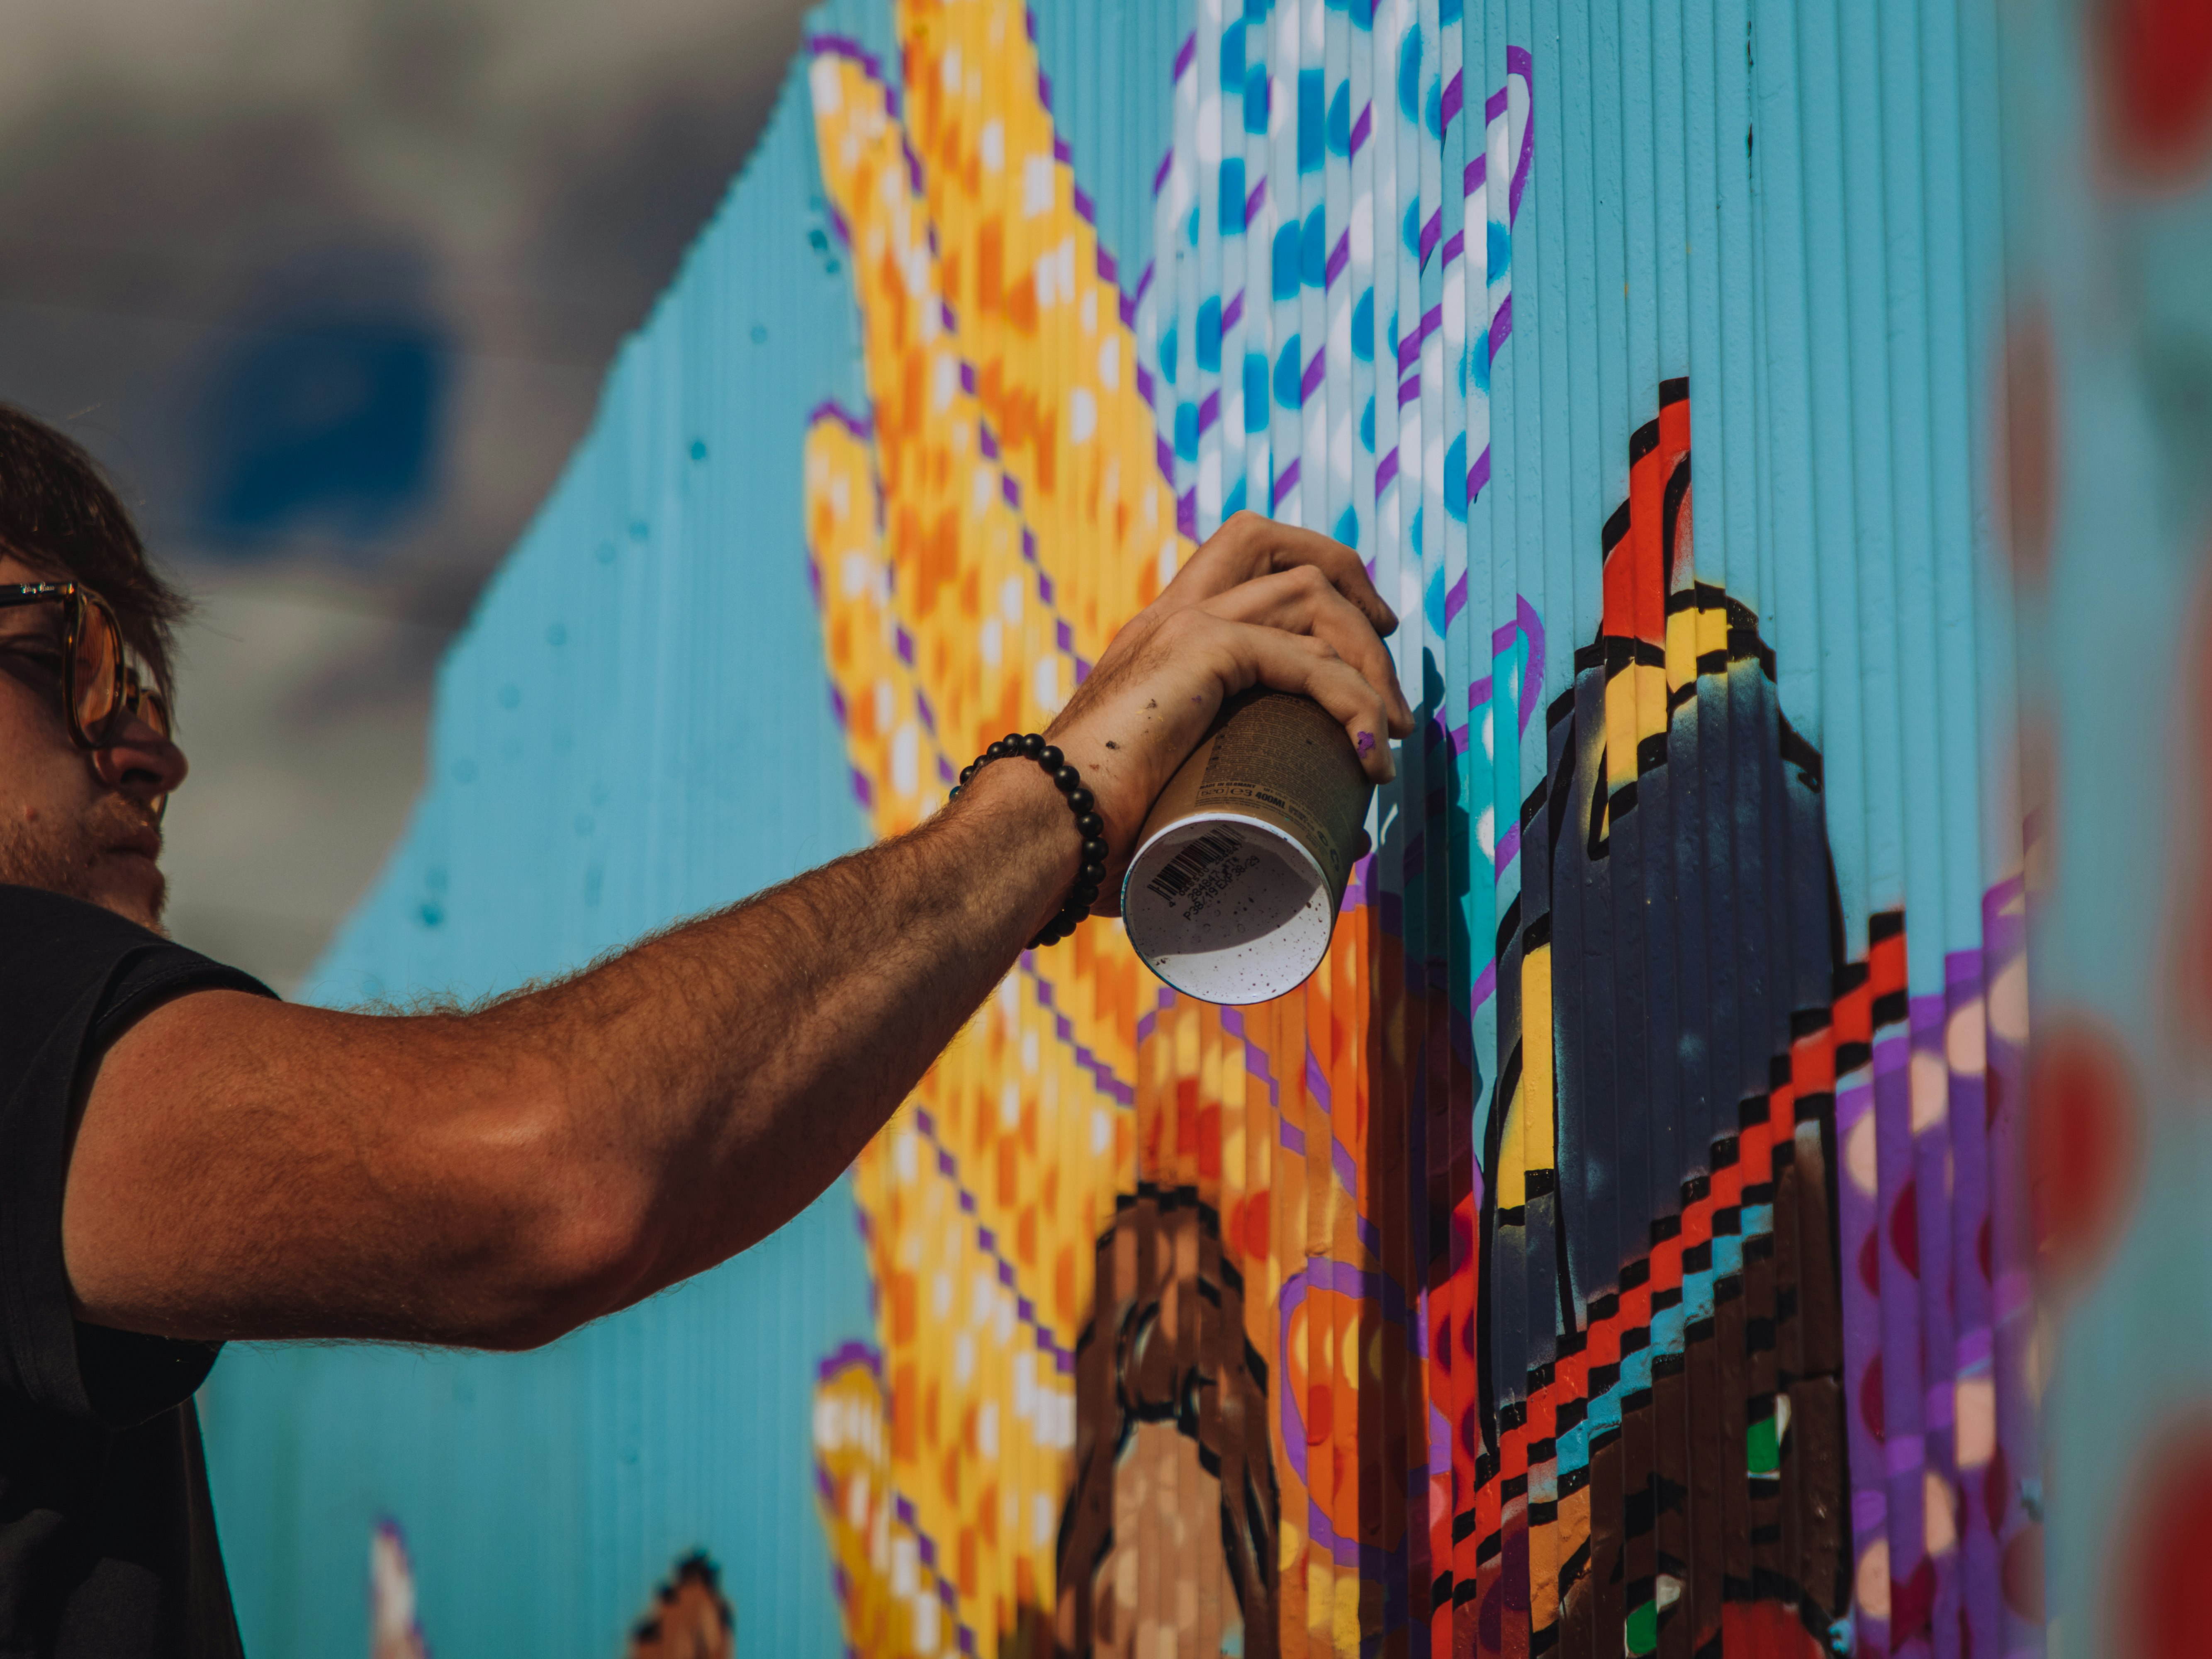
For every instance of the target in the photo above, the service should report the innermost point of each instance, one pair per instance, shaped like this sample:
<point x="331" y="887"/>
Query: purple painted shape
<point x="1454" y="244"/>
<point x="1471" y="180"/>
<point x="844" y="46"/>
<point x="1160" y="174"/>
<point x="1477" y="476"/>
<point x="831" y="409"/>
<point x="1029" y="544"/>
<point x="1144" y="282"/>
<point x="1186" y="513"/>
<point x="1146" y="384"/>
<point x="1010" y="489"/>
<point x="905" y="642"/>
<point x="1127" y="310"/>
<point x="1044" y="587"/>
<point x="928" y="715"/>
<point x="1233" y="312"/>
<point x="1060" y="152"/>
<point x="1209" y="410"/>
<point x="1456" y="601"/>
<point x="1363" y="128"/>
<point x="1065" y="636"/>
<point x="1083" y="209"/>
<point x="1338" y="258"/>
<point x="847" y="1354"/>
<point x="1292" y="1297"/>
<point x="1409" y="391"/>
<point x="1165" y="454"/>
<point x="1455" y="100"/>
<point x="967" y="377"/>
<point x="1486" y="987"/>
<point x="1285" y="482"/>
<point x="1501" y="327"/>
<point x="1348" y="1170"/>
<point x="1252" y="202"/>
<point x="1429" y="232"/>
<point x="1109" y="269"/>
<point x="1292" y="1136"/>
<point x="986" y="441"/>
<point x="1317" y="371"/>
<point x="1494" y="106"/>
<point x="1517" y="62"/>
<point x="1185" y="54"/>
<point x="1532" y="676"/>
<point x="1082" y="670"/>
<point x="1900" y="1313"/>
<point x="1386" y="469"/>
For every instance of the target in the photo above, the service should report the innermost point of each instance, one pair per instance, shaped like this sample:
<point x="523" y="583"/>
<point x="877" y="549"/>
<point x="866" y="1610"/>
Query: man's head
<point x="73" y="820"/>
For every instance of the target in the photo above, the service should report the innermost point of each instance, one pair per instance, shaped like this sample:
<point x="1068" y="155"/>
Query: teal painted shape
<point x="635" y="727"/>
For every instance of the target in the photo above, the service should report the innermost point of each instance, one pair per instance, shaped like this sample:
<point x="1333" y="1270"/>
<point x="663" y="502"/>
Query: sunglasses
<point x="101" y="690"/>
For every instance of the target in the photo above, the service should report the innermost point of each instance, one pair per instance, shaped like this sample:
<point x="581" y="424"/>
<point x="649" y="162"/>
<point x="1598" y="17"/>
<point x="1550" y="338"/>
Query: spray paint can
<point x="1241" y="867"/>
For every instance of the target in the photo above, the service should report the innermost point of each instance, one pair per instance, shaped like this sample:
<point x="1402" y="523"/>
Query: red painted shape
<point x="2029" y="455"/>
<point x="2157" y="1567"/>
<point x="2022" y="1572"/>
<point x="1911" y="1604"/>
<point x="2081" y="1142"/>
<point x="2155" y="56"/>
<point x="1905" y="1229"/>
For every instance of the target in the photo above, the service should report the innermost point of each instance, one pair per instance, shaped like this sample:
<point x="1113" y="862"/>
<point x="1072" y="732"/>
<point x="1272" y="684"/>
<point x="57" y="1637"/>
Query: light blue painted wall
<point x="571" y="807"/>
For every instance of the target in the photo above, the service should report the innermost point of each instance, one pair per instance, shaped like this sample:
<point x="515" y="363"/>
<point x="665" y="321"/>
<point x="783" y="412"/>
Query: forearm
<point x="826" y="997"/>
<point x="250" y="1169"/>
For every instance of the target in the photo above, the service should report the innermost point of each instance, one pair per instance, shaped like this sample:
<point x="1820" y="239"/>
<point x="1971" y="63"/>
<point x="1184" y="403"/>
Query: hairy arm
<point x="246" y="1169"/>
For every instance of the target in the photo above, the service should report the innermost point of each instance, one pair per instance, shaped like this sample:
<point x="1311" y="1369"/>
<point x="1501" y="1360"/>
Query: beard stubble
<point x="65" y="859"/>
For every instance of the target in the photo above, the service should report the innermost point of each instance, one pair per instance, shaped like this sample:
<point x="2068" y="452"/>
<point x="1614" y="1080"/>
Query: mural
<point x="1645" y="1231"/>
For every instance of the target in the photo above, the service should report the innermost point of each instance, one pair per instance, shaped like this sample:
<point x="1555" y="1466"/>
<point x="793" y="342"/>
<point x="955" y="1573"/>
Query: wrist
<point x="1025" y="833"/>
<point x="1018" y="749"/>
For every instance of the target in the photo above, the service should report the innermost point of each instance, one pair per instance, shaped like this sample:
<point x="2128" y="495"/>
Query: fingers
<point x="1248" y="546"/>
<point x="1302" y="664"/>
<point x="1302" y="601"/>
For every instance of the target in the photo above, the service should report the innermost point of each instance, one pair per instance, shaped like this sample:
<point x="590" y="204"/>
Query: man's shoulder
<point x="54" y="945"/>
<point x="32" y="916"/>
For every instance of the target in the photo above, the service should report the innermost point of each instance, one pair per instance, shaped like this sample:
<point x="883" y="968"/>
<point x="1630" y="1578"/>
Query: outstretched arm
<point x="246" y="1169"/>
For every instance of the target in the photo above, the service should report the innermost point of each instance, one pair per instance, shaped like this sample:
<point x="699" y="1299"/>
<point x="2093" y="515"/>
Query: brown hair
<point x="59" y="510"/>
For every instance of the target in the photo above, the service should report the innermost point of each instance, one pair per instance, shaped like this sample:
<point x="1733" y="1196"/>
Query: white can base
<point x="1228" y="909"/>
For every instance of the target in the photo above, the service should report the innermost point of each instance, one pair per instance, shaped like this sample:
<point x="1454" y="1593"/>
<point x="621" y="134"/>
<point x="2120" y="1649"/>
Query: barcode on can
<point x="1176" y="877"/>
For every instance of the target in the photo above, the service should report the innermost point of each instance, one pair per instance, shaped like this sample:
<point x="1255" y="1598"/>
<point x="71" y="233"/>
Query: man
<point x="184" y="1160"/>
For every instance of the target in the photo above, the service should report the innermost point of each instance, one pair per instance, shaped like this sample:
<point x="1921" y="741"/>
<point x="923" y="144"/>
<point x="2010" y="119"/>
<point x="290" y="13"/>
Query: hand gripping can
<point x="1240" y="869"/>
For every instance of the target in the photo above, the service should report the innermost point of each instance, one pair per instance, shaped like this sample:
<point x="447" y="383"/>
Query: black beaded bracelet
<point x="1088" y="824"/>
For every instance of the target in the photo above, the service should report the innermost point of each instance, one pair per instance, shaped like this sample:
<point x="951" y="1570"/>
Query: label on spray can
<point x="1233" y="893"/>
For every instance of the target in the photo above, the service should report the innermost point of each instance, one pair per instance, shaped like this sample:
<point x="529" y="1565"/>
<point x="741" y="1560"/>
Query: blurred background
<point x="329" y="289"/>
